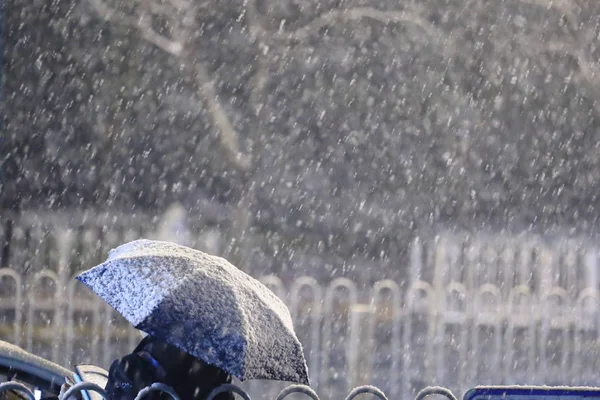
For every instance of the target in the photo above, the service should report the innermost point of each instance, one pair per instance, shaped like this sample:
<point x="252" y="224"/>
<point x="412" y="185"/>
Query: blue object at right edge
<point x="532" y="393"/>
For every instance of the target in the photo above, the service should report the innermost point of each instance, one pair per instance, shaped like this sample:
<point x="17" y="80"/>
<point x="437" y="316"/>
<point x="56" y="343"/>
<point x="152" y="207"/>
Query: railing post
<point x="65" y="252"/>
<point x="334" y="335"/>
<point x="452" y="337"/>
<point x="40" y="303"/>
<point x="420" y="310"/>
<point x="416" y="260"/>
<point x="17" y="254"/>
<point x="12" y="302"/>
<point x="386" y="323"/>
<point x="586" y="340"/>
<point x="487" y="316"/>
<point x="521" y="325"/>
<point x="591" y="268"/>
<point x="310" y="315"/>
<point x="361" y="351"/>
<point x="555" y="325"/>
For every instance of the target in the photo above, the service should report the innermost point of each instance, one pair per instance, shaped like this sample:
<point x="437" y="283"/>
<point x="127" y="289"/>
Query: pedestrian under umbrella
<point x="156" y="361"/>
<point x="206" y="321"/>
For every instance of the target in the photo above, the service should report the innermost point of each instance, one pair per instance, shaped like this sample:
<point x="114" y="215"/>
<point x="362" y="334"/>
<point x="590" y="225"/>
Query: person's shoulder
<point x="128" y="375"/>
<point x="127" y="364"/>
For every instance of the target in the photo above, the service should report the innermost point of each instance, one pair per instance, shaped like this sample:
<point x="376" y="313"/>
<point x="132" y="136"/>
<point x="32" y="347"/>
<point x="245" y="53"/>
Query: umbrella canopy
<point x="203" y="305"/>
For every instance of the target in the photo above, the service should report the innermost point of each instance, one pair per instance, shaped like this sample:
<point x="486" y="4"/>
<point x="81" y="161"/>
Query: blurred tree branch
<point x="180" y="21"/>
<point x="358" y="13"/>
<point x="577" y="38"/>
<point x="259" y="80"/>
<point x="347" y="14"/>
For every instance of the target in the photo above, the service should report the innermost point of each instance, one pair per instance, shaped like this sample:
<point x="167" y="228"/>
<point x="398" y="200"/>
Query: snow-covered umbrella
<point x="203" y="305"/>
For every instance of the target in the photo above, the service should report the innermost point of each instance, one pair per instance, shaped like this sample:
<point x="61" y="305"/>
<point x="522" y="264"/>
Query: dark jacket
<point x="155" y="361"/>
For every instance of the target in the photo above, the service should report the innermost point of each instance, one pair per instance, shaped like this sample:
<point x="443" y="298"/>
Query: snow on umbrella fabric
<point x="204" y="305"/>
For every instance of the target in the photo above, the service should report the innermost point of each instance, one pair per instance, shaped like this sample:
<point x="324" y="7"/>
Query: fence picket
<point x="418" y="343"/>
<point x="554" y="335"/>
<point x="386" y="320"/>
<point x="83" y="323"/>
<point x="44" y="304"/>
<point x="11" y="306"/>
<point x="337" y="347"/>
<point x="486" y="335"/>
<point x="586" y="352"/>
<point x="307" y="317"/>
<point x="452" y="337"/>
<point x="520" y="337"/>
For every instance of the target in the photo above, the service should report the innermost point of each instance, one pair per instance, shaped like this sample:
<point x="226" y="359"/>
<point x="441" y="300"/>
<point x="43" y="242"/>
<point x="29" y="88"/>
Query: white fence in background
<point x="474" y="310"/>
<point x="400" y="342"/>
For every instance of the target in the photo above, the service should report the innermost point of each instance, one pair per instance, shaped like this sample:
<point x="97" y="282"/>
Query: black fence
<point x="159" y="387"/>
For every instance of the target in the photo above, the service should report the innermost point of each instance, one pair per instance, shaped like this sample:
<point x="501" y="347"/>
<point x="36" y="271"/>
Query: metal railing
<point x="290" y="390"/>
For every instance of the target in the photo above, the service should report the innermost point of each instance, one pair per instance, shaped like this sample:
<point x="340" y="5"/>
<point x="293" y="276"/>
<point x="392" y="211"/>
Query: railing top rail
<point x="291" y="389"/>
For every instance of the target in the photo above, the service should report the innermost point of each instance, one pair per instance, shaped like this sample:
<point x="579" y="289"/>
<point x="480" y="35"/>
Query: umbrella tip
<point x="81" y="277"/>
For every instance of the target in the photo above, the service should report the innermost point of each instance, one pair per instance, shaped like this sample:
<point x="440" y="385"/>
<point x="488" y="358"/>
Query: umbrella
<point x="203" y="305"/>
